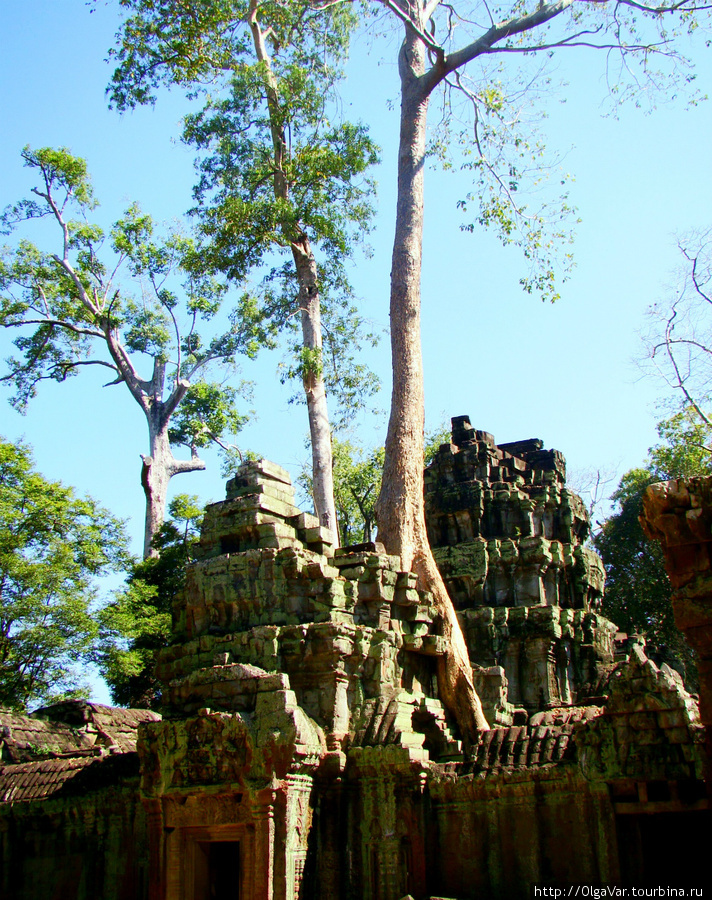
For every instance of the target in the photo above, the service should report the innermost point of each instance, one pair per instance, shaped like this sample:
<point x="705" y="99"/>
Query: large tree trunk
<point x="156" y="472"/>
<point x="309" y="300"/>
<point x="314" y="388"/>
<point x="400" y="508"/>
<point x="155" y="475"/>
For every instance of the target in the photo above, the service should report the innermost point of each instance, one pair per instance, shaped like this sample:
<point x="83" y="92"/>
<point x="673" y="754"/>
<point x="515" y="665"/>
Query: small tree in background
<point x="357" y="480"/>
<point x="638" y="596"/>
<point x="357" y="483"/>
<point x="53" y="547"/>
<point x="137" y="624"/>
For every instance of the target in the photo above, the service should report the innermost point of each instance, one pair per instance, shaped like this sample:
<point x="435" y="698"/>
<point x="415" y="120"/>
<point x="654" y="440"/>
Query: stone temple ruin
<point x="303" y="751"/>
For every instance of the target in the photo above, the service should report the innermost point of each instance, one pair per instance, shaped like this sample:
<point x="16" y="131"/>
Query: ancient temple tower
<point x="304" y="752"/>
<point x="508" y="537"/>
<point x="286" y="654"/>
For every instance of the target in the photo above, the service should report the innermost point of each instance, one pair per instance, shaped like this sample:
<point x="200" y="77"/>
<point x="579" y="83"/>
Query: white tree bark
<point x="309" y="304"/>
<point x="314" y="387"/>
<point x="160" y="465"/>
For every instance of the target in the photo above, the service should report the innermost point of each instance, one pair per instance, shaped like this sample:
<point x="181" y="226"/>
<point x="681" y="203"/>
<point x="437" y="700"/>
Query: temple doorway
<point x="216" y="870"/>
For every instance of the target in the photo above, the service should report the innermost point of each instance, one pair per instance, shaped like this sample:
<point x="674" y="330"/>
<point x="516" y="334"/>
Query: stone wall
<point x="85" y="846"/>
<point x="304" y="751"/>
<point x="72" y="824"/>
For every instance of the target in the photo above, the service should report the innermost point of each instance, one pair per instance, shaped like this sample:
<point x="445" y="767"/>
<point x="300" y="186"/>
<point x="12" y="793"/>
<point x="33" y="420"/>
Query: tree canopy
<point x="53" y="547"/>
<point x="137" y="623"/>
<point x="638" y="593"/>
<point x="115" y="302"/>
<point x="280" y="172"/>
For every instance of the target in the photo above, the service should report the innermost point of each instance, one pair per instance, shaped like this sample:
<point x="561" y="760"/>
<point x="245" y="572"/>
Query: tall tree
<point x="53" y="546"/>
<point x="276" y="173"/>
<point x="113" y="303"/>
<point x="442" y="44"/>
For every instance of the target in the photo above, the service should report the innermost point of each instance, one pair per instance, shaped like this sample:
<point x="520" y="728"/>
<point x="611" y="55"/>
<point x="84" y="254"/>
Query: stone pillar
<point x="264" y="849"/>
<point x="341" y="712"/>
<point x="298" y="822"/>
<point x="157" y="876"/>
<point x="539" y="688"/>
<point x="379" y="835"/>
<point x="679" y="515"/>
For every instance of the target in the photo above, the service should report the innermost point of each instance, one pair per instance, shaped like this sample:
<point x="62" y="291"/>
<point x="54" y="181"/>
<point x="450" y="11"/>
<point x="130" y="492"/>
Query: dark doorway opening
<point x="669" y="849"/>
<point x="217" y="870"/>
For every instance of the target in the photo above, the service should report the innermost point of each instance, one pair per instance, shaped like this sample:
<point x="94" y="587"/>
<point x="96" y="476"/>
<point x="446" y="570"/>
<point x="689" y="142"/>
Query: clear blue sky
<point x="519" y="368"/>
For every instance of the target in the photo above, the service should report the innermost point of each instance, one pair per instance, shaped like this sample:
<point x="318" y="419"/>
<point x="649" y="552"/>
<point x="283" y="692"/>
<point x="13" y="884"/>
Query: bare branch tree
<point x="678" y="340"/>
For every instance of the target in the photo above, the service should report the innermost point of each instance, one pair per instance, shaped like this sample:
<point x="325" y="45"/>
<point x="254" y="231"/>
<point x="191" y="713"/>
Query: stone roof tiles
<point x="39" y="780"/>
<point x="78" y="774"/>
<point x="68" y="728"/>
<point x="70" y="746"/>
<point x="23" y="738"/>
<point x="545" y="740"/>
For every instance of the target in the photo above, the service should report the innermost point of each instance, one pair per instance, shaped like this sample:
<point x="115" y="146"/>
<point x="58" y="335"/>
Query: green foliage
<point x="137" y="624"/>
<point x="207" y="412"/>
<point x="685" y="450"/>
<point x="53" y="546"/>
<point x="357" y="483"/>
<point x="252" y="195"/>
<point x="192" y="44"/>
<point x="510" y="168"/>
<point x="319" y="195"/>
<point x="309" y="363"/>
<point x="350" y="384"/>
<point x="277" y="173"/>
<point x="433" y="439"/>
<point x="61" y="172"/>
<point x="98" y="300"/>
<point x="494" y="67"/>
<point x="249" y="205"/>
<point x="638" y="592"/>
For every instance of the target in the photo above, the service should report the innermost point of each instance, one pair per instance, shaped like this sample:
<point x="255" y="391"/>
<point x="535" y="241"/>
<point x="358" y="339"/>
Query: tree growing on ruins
<point x="276" y="172"/>
<point x="453" y="48"/>
<point x="53" y="546"/>
<point x="114" y="302"/>
<point x="450" y="46"/>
